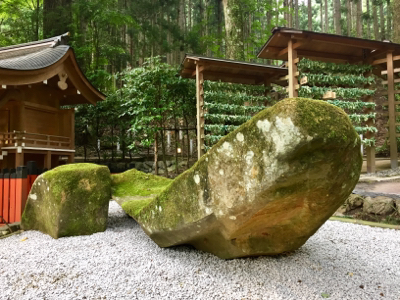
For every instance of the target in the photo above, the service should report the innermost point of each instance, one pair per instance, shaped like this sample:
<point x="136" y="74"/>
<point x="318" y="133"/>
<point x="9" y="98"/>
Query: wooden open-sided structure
<point x="291" y="44"/>
<point x="36" y="80"/>
<point x="206" y="68"/>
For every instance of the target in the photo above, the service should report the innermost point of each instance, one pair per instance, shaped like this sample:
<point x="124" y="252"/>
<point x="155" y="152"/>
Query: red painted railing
<point x="14" y="189"/>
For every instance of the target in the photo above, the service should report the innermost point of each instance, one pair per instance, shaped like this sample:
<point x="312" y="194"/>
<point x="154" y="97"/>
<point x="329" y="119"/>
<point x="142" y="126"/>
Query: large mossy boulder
<point x="264" y="189"/>
<point x="69" y="200"/>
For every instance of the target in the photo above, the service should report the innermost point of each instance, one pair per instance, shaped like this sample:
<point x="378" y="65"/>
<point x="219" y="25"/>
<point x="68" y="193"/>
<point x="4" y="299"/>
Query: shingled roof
<point x="38" y="61"/>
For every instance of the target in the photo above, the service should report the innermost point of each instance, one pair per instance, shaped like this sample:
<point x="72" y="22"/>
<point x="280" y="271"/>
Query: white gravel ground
<point x="341" y="261"/>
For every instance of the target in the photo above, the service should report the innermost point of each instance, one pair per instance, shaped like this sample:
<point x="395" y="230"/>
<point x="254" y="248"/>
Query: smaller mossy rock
<point x="133" y="189"/>
<point x="380" y="205"/>
<point x="69" y="200"/>
<point x="397" y="202"/>
<point x="263" y="189"/>
<point x="353" y="201"/>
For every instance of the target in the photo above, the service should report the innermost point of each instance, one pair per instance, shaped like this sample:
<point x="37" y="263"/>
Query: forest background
<point x="113" y="38"/>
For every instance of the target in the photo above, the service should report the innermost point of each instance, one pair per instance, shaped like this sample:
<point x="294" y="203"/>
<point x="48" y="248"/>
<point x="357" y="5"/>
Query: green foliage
<point x="232" y="109"/>
<point x="348" y="85"/>
<point x="352" y="106"/>
<point x="221" y="130"/>
<point x="317" y="92"/>
<point x="153" y="95"/>
<point x="337" y="80"/>
<point x="317" y="67"/>
<point x="225" y="109"/>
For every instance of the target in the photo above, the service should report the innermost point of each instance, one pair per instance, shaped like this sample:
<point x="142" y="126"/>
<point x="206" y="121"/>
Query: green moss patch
<point x="69" y="200"/>
<point x="134" y="207"/>
<point x="136" y="183"/>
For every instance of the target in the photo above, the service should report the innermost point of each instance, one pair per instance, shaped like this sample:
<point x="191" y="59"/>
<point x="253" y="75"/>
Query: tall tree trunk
<point x="333" y="15"/>
<point x="396" y="21"/>
<point x="369" y="21"/>
<point x="377" y="36"/>
<point x="296" y="14"/>
<point x="37" y="19"/>
<point x="232" y="42"/>
<point x="389" y="20"/>
<point x="348" y="18"/>
<point x="190" y="14"/>
<point x="181" y="17"/>
<point x="338" y="27"/>
<point x="309" y="8"/>
<point x="326" y="16"/>
<point x="220" y="24"/>
<point x="382" y="19"/>
<point x="57" y="17"/>
<point x="359" y="18"/>
<point x="321" y="15"/>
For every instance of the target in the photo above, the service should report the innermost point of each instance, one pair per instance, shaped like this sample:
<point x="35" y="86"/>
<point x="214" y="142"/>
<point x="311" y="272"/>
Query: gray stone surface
<point x="264" y="188"/>
<point x="379" y="205"/>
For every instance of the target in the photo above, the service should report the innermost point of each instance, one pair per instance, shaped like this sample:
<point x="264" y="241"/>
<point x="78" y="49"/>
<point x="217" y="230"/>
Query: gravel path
<point x="341" y="261"/>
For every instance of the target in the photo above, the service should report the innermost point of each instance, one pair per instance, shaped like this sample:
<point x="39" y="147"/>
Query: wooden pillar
<point x="72" y="135"/>
<point x="47" y="160"/>
<point x="200" y="110"/>
<point x="267" y="84"/>
<point x="369" y="135"/>
<point x="19" y="158"/>
<point x="292" y="66"/>
<point x="392" y="111"/>
<point x="71" y="158"/>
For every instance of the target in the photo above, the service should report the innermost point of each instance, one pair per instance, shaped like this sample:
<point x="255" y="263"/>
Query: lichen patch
<point x="240" y="137"/>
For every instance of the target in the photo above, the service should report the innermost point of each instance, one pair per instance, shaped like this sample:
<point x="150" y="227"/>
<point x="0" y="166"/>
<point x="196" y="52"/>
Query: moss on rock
<point x="69" y="200"/>
<point x="263" y="189"/>
<point x="134" y="190"/>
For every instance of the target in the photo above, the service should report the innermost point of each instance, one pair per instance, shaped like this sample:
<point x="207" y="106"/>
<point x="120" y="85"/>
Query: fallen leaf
<point x="23" y="239"/>
<point x="350" y="274"/>
<point x="381" y="294"/>
<point x="325" y="295"/>
<point x="361" y="286"/>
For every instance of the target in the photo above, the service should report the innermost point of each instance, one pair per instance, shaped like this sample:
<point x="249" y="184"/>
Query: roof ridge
<point x="53" y="41"/>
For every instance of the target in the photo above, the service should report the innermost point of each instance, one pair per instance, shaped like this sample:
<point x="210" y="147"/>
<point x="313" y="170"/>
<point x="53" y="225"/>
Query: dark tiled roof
<point x="27" y="59"/>
<point x="34" y="55"/>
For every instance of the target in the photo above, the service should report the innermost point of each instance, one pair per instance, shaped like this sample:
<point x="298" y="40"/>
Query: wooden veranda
<point x="206" y="68"/>
<point x="290" y="45"/>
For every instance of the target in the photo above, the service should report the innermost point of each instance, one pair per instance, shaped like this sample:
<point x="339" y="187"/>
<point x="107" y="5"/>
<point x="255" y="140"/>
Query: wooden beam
<point x="379" y="61"/>
<point x="387" y="114"/>
<point x="392" y="111"/>
<point x="292" y="66"/>
<point x="386" y="103"/>
<point x="397" y="70"/>
<point x="316" y="54"/>
<point x="397" y="80"/>
<point x="200" y="111"/>
<point x="385" y="92"/>
<point x="287" y="76"/>
<point x="295" y="46"/>
<point x="210" y="75"/>
<point x="386" y="125"/>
